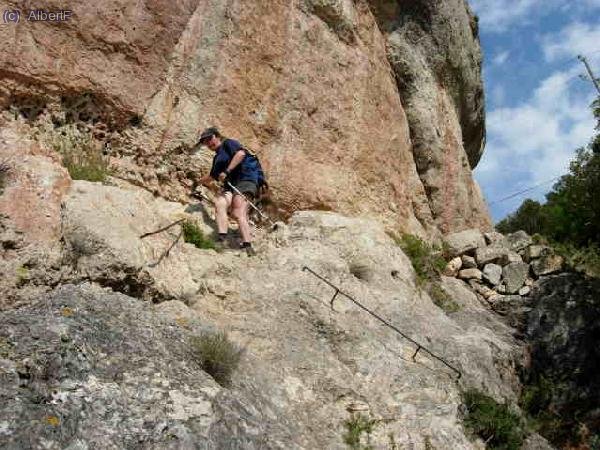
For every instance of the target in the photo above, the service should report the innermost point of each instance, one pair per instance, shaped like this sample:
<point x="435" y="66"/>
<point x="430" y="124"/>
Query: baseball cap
<point x="207" y="134"/>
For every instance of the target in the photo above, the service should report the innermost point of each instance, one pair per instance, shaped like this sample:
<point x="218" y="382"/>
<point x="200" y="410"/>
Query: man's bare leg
<point x="240" y="213"/>
<point x="222" y="204"/>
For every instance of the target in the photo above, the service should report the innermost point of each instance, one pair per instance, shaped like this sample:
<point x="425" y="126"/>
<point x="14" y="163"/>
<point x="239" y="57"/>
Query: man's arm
<point x="238" y="157"/>
<point x="236" y="160"/>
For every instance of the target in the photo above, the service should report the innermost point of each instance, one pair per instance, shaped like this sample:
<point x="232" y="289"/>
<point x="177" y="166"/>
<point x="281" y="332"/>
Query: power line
<point x="524" y="190"/>
<point x="533" y="187"/>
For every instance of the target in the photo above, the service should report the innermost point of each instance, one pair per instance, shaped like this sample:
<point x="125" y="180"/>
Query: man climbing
<point x="232" y="166"/>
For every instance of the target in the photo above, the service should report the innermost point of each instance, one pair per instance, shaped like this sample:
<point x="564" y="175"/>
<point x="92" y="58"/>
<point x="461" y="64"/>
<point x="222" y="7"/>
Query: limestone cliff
<point x="365" y="107"/>
<point x="87" y="363"/>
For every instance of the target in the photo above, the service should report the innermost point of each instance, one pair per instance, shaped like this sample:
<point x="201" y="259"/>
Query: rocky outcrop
<point x="434" y="51"/>
<point x="563" y="329"/>
<point x="30" y="222"/>
<point x="306" y="368"/>
<point x="81" y="378"/>
<point x="361" y="108"/>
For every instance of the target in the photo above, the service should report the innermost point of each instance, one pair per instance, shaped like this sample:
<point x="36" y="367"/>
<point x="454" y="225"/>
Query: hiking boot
<point x="245" y="246"/>
<point x="221" y="245"/>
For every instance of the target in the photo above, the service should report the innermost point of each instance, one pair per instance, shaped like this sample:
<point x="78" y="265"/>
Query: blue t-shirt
<point x="245" y="171"/>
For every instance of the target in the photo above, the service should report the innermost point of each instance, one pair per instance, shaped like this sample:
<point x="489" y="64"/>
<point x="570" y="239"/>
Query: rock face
<point x="365" y="108"/>
<point x="433" y="49"/>
<point x="306" y="368"/>
<point x="80" y="378"/>
<point x="563" y="329"/>
<point x="102" y="226"/>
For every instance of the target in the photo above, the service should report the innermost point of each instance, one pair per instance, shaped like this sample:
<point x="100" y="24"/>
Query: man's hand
<point x="222" y="177"/>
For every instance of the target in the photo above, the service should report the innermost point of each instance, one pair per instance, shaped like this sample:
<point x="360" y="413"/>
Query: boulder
<point x="492" y="273"/>
<point x="525" y="290"/>
<point x="468" y="262"/>
<point x="483" y="290"/>
<point x="547" y="264"/>
<point x="509" y="257"/>
<point x="487" y="255"/>
<point x="453" y="267"/>
<point x="514" y="276"/>
<point x="461" y="294"/>
<point x="495" y="239"/>
<point x="468" y="274"/>
<point x="536" y="442"/>
<point x="101" y="230"/>
<point x="464" y="241"/>
<point x="518" y="240"/>
<point x="536" y="251"/>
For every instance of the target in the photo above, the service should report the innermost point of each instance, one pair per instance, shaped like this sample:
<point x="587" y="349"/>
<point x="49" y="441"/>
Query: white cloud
<point x="576" y="38"/>
<point x="501" y="15"/>
<point x="498" y="15"/>
<point x="535" y="140"/>
<point x="500" y="58"/>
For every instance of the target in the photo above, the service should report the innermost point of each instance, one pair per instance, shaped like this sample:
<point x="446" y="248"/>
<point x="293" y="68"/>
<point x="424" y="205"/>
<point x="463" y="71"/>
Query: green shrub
<point x="537" y="401"/>
<point x="192" y="234"/>
<point x="441" y="298"/>
<point x="581" y="259"/>
<point x="355" y="427"/>
<point x="427" y="260"/>
<point x="538" y="239"/>
<point x="23" y="276"/>
<point x="85" y="167"/>
<point x="495" y="423"/>
<point x="429" y="263"/>
<point x="537" y="397"/>
<point x="217" y="355"/>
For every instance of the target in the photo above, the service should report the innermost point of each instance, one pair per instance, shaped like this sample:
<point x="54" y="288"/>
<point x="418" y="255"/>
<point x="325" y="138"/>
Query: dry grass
<point x="217" y="355"/>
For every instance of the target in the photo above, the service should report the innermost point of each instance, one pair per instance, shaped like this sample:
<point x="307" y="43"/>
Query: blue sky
<point x="537" y="105"/>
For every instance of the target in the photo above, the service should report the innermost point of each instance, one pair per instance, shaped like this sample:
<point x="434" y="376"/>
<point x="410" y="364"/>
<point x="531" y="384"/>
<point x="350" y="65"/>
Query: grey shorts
<point x="248" y="188"/>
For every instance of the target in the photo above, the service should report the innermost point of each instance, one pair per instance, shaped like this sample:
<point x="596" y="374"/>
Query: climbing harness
<point x="382" y="320"/>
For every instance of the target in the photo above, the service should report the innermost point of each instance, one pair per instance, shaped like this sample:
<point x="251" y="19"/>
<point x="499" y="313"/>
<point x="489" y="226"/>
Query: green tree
<point x="530" y="217"/>
<point x="573" y="205"/>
